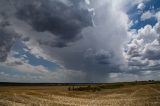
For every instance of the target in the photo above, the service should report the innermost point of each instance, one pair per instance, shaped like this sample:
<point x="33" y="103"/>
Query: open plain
<point x="127" y="95"/>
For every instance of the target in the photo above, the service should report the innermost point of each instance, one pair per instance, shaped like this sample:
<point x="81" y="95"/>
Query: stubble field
<point x="135" y="95"/>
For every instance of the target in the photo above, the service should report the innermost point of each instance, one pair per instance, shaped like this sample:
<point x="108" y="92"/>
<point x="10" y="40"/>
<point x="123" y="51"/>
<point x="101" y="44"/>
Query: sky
<point x="79" y="41"/>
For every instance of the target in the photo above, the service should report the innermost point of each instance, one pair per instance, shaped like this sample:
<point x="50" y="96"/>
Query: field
<point x="147" y="94"/>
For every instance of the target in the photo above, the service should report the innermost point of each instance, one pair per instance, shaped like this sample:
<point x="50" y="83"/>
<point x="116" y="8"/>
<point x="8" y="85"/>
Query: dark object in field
<point x="85" y="88"/>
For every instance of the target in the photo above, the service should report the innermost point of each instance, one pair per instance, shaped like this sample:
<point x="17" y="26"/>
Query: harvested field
<point x="136" y="95"/>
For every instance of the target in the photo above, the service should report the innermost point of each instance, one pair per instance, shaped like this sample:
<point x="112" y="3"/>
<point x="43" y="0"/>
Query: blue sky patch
<point x="33" y="60"/>
<point x="135" y="14"/>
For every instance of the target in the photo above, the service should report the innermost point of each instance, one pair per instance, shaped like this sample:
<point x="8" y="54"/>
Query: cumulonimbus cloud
<point x="86" y="37"/>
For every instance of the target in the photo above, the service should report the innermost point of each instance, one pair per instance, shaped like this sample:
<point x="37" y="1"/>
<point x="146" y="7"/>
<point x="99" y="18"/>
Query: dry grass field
<point x="135" y="95"/>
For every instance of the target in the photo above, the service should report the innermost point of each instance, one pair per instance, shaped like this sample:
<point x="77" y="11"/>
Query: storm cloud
<point x="7" y="40"/>
<point x="90" y="40"/>
<point x="64" y="20"/>
<point x="64" y="31"/>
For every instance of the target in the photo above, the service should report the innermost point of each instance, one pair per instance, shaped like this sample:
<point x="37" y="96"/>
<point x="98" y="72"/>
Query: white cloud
<point x="147" y="15"/>
<point x="22" y="65"/>
<point x="143" y="50"/>
<point x="141" y="6"/>
<point x="157" y="15"/>
<point x="54" y="76"/>
<point x="87" y="1"/>
<point x="142" y="76"/>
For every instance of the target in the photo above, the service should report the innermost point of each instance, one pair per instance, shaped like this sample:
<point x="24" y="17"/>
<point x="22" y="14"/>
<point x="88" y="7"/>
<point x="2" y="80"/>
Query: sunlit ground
<point x="136" y="95"/>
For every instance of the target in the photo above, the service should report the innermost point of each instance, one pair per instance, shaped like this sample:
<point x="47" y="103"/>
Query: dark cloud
<point x="54" y="28"/>
<point x="152" y="53"/>
<point x="25" y="39"/>
<point x="7" y="35"/>
<point x="7" y="39"/>
<point x="101" y="57"/>
<point x="15" y="63"/>
<point x="133" y="52"/>
<point x="138" y="63"/>
<point x="62" y="20"/>
<point x="102" y="42"/>
<point x="58" y="44"/>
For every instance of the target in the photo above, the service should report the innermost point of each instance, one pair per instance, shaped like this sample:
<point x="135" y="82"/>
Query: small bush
<point x="85" y="88"/>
